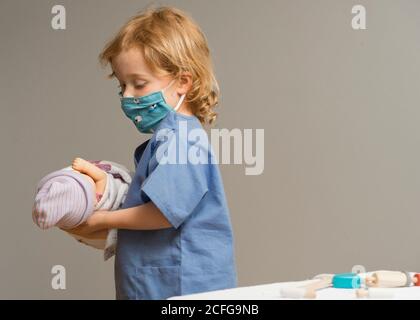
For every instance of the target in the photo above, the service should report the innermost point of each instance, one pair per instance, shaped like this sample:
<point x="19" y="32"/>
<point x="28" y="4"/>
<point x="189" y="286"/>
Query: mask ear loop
<point x="180" y="99"/>
<point x="179" y="102"/>
<point x="169" y="85"/>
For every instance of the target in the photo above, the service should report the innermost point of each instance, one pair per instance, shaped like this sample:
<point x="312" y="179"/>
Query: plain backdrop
<point x="340" y="110"/>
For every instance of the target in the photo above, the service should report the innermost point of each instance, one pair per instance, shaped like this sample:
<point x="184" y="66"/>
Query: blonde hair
<point x="171" y="43"/>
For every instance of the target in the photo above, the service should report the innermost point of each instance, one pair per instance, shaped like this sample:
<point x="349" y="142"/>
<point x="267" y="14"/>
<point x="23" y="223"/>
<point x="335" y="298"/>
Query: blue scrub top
<point x="196" y="254"/>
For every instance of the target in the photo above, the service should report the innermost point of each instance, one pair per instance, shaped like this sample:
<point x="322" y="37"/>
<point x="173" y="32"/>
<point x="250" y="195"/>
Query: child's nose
<point x="128" y="92"/>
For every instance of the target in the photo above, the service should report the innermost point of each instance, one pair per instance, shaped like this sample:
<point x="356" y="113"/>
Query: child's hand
<point x="94" y="223"/>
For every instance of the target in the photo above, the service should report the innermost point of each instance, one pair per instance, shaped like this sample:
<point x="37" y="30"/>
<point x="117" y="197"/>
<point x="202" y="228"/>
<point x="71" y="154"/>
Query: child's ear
<point x="185" y="82"/>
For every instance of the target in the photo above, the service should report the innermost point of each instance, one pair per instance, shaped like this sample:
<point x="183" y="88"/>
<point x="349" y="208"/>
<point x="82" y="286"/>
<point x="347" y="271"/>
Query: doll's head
<point x="157" y="46"/>
<point x="64" y="198"/>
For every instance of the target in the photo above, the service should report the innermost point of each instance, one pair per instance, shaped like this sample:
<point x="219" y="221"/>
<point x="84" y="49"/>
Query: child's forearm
<point x="100" y="234"/>
<point x="143" y="217"/>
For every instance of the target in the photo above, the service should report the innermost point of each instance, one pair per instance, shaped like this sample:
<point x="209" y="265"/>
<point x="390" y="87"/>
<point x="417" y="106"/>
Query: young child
<point x="174" y="229"/>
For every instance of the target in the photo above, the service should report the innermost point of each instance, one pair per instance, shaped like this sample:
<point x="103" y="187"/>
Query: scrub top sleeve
<point x="175" y="188"/>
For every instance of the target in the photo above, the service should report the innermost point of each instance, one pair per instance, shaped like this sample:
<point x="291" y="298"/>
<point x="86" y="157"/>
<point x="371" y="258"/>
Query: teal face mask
<point x="147" y="111"/>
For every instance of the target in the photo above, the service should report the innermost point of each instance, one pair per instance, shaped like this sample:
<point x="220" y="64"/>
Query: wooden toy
<point x="416" y="279"/>
<point x="307" y="291"/>
<point x="346" y="281"/>
<point x="391" y="279"/>
<point x="378" y="284"/>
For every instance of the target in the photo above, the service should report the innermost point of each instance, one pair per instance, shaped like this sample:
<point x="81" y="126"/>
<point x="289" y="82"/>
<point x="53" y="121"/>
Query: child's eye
<point x="139" y="86"/>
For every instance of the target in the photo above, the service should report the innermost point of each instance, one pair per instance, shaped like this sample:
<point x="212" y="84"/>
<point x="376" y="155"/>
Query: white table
<point x="272" y="291"/>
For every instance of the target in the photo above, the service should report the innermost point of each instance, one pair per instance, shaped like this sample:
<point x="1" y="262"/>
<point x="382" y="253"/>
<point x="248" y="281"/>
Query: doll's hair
<point x="171" y="42"/>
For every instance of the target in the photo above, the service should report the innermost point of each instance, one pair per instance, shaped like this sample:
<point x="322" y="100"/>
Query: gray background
<point x="341" y="184"/>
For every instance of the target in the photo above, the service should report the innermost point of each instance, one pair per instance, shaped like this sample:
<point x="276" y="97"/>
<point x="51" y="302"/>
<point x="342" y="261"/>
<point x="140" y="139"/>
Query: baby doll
<point x="67" y="197"/>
